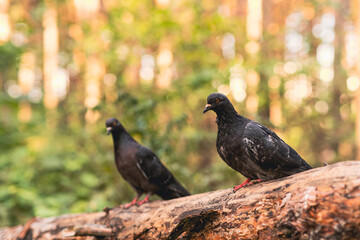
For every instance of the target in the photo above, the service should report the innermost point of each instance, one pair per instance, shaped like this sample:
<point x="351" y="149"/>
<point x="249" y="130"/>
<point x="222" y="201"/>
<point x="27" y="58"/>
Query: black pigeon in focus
<point x="141" y="168"/>
<point x="249" y="147"/>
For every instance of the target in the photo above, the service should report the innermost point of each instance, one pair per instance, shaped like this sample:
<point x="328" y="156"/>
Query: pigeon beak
<point x="207" y="108"/>
<point x="108" y="129"/>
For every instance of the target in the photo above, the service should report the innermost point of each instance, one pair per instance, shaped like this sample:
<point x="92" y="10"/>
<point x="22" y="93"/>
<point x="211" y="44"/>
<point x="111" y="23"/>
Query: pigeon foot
<point x="241" y="185"/>
<point x="254" y="182"/>
<point x="246" y="183"/>
<point x="146" y="199"/>
<point x="133" y="202"/>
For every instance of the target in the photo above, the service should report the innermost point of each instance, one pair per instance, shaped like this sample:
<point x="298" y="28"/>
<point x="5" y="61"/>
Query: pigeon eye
<point x="217" y="100"/>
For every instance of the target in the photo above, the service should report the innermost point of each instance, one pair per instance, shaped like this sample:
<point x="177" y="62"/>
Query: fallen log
<point x="319" y="203"/>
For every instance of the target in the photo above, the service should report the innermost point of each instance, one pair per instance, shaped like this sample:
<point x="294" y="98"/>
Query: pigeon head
<point x="112" y="124"/>
<point x="219" y="103"/>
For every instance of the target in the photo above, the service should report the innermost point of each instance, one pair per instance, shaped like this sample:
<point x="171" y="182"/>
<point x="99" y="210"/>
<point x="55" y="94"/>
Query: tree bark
<point x="322" y="203"/>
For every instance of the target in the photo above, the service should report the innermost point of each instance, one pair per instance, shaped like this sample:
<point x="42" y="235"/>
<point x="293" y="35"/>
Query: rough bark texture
<point x="322" y="203"/>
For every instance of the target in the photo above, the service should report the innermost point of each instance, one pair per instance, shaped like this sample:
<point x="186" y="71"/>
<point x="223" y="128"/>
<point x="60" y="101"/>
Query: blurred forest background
<point x="68" y="65"/>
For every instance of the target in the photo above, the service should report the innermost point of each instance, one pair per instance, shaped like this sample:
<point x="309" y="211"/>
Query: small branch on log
<point x="26" y="228"/>
<point x="319" y="203"/>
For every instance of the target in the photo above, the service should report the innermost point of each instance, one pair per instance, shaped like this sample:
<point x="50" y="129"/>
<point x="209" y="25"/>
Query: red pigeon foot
<point x="146" y="199"/>
<point x="254" y="182"/>
<point x="241" y="185"/>
<point x="247" y="183"/>
<point x="133" y="202"/>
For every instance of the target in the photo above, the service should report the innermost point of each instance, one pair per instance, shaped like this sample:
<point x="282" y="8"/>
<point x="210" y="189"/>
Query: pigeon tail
<point x="173" y="190"/>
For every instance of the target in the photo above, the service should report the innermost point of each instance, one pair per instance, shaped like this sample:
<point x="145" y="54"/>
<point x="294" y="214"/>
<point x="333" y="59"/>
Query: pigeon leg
<point x="133" y="202"/>
<point x="241" y="185"/>
<point x="146" y="199"/>
<point x="255" y="181"/>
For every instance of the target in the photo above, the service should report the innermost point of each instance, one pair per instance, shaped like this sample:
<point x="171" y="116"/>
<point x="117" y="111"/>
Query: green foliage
<point x="9" y="56"/>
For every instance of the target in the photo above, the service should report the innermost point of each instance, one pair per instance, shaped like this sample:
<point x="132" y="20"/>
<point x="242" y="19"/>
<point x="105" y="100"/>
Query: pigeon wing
<point x="269" y="151"/>
<point x="152" y="168"/>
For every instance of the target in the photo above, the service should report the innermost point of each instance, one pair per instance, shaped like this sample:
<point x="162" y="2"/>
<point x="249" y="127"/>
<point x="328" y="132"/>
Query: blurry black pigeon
<point x="140" y="167"/>
<point x="250" y="148"/>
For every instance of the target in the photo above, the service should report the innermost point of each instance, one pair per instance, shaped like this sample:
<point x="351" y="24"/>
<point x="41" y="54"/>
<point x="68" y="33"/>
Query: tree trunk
<point x="322" y="203"/>
<point x="356" y="6"/>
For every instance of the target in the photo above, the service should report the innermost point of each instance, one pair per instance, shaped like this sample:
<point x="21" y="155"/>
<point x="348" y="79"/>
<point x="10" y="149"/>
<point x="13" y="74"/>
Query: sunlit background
<point x="66" y="66"/>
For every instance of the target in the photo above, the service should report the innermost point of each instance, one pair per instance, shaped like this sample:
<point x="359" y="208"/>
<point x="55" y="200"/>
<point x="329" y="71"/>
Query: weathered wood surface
<point x="322" y="203"/>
